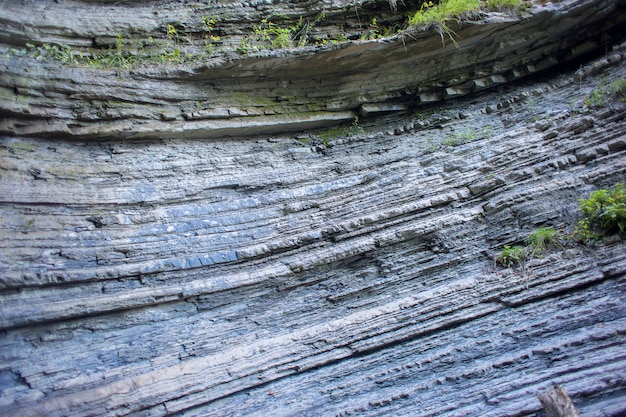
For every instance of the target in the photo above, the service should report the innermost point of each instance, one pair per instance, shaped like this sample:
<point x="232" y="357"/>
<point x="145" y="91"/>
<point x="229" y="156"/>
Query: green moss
<point x="447" y="11"/>
<point x="342" y="131"/>
<point x="444" y="11"/>
<point x="332" y="133"/>
<point x="23" y="146"/>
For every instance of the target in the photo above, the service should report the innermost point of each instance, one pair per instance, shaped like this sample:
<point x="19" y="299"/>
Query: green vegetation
<point x="456" y="10"/>
<point x="509" y="256"/>
<point x="62" y="53"/>
<point x="176" y="54"/>
<point x="268" y="35"/>
<point x="509" y="5"/>
<point x="440" y="14"/>
<point x="460" y="138"/>
<point x="431" y="146"/>
<point x="211" y="40"/>
<point x="446" y="10"/>
<point x="604" y="214"/>
<point x="375" y="31"/>
<point x="600" y="96"/>
<point x="541" y="239"/>
<point x="468" y="136"/>
<point x="114" y="58"/>
<point x="341" y="131"/>
<point x="355" y="128"/>
<point x="29" y="224"/>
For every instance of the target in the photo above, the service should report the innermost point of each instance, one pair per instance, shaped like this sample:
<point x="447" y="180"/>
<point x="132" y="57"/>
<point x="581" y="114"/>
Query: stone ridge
<point x="293" y="276"/>
<point x="274" y="91"/>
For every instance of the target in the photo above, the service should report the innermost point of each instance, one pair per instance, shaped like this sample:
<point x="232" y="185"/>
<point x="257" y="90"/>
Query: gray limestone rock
<point x="159" y="258"/>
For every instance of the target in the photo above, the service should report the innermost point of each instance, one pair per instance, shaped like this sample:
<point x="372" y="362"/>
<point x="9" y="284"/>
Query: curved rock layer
<point x="338" y="272"/>
<point x="279" y="91"/>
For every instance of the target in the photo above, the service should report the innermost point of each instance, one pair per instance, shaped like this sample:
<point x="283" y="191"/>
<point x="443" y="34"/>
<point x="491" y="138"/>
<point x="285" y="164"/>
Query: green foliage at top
<point x="453" y="10"/>
<point x="604" y="214"/>
<point x="511" y="5"/>
<point x="456" y="10"/>
<point x="444" y="11"/>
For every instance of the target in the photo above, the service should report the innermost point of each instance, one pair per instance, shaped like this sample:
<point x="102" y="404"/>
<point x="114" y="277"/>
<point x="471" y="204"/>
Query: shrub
<point x="509" y="256"/>
<point x="604" y="214"/>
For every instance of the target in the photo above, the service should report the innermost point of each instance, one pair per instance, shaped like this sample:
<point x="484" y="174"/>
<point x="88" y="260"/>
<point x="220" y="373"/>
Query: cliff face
<point x="174" y="259"/>
<point x="226" y="93"/>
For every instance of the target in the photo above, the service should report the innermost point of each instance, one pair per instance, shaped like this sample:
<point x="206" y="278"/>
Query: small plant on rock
<point x="355" y="128"/>
<point x="267" y="35"/>
<point x="604" y="214"/>
<point x="542" y="239"/>
<point x="114" y="58"/>
<point x="211" y="39"/>
<point x="603" y="94"/>
<point x="460" y="138"/>
<point x="512" y="255"/>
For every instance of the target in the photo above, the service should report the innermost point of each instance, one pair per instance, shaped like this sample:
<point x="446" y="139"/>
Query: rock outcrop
<point x="278" y="91"/>
<point x="165" y="258"/>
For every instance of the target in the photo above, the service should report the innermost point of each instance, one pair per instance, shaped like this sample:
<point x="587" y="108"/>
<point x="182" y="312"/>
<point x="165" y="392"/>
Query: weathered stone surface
<point x="345" y="272"/>
<point x="277" y="91"/>
<point x="259" y="276"/>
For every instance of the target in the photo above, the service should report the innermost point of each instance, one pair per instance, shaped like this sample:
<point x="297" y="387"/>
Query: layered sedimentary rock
<point x="280" y="90"/>
<point x="151" y="266"/>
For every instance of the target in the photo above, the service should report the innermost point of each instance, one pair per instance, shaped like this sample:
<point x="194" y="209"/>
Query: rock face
<point x="278" y="91"/>
<point x="152" y="266"/>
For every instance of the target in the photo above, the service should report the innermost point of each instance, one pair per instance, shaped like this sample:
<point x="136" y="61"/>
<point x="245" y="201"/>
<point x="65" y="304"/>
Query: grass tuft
<point x="601" y="95"/>
<point x="440" y="14"/>
<point x="541" y="239"/>
<point x="511" y="255"/>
